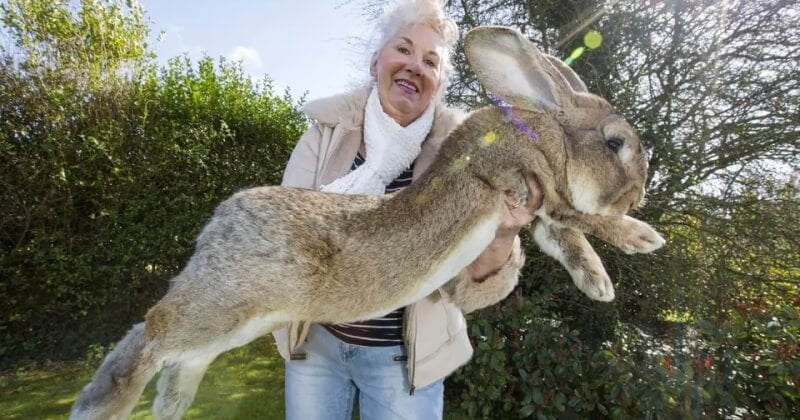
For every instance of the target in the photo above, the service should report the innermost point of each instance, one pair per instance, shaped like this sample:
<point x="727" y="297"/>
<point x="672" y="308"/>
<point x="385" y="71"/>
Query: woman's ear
<point x="373" y="65"/>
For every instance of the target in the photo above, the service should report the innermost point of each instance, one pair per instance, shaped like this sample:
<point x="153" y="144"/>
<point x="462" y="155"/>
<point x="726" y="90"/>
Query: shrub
<point x="106" y="187"/>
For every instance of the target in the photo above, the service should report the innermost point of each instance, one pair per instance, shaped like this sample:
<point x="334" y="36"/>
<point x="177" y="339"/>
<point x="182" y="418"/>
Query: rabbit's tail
<point x="120" y="380"/>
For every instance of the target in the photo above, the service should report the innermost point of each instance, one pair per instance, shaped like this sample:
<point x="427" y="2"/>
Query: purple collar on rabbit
<point x="509" y="115"/>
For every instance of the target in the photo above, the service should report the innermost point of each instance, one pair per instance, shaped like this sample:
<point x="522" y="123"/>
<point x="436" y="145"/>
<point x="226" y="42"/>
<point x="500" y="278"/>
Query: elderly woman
<point x="377" y="140"/>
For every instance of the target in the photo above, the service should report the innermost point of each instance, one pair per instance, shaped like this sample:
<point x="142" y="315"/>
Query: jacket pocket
<point x="455" y="318"/>
<point x="438" y="322"/>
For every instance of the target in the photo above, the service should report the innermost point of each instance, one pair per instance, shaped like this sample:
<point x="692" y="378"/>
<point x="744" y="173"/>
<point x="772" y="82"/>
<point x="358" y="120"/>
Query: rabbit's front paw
<point x="638" y="236"/>
<point x="593" y="281"/>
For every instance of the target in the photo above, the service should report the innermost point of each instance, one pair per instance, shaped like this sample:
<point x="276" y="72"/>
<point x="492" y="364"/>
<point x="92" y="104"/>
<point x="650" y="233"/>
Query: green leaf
<point x="602" y="408"/>
<point x="526" y="410"/>
<point x="538" y="397"/>
<point x="688" y="371"/>
<point x="706" y="327"/>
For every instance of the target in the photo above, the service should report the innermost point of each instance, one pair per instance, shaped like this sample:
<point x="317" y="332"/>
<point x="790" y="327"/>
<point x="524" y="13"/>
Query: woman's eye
<point x="614" y="143"/>
<point x="430" y="63"/>
<point x="404" y="50"/>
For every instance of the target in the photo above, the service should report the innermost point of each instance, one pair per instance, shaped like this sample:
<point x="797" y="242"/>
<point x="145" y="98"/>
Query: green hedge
<point x="547" y="352"/>
<point x="105" y="186"/>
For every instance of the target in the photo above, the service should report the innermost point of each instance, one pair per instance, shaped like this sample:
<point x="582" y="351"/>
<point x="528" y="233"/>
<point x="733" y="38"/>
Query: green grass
<point x="245" y="383"/>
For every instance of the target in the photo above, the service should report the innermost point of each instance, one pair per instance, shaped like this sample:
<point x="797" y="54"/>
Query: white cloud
<point x="248" y="56"/>
<point x="174" y="32"/>
<point x="175" y="29"/>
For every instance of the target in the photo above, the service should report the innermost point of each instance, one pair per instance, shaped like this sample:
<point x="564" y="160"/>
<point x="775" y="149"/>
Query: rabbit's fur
<point x="272" y="255"/>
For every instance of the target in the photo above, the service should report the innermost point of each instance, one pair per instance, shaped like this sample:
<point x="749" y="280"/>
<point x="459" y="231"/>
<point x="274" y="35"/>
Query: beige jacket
<point x="435" y="330"/>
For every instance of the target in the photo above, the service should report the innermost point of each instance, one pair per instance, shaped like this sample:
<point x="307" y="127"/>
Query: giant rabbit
<point x="271" y="255"/>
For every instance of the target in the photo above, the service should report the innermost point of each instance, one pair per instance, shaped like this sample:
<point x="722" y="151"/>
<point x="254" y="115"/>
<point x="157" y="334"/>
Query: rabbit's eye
<point x="614" y="143"/>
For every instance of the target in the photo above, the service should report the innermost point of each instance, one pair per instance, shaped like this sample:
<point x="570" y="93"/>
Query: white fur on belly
<point x="241" y="335"/>
<point x="470" y="247"/>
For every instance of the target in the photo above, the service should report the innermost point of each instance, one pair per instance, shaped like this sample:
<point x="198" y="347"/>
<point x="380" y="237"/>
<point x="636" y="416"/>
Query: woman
<point x="372" y="141"/>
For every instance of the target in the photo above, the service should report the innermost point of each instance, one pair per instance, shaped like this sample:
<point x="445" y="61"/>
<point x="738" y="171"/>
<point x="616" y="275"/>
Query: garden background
<point x="112" y="163"/>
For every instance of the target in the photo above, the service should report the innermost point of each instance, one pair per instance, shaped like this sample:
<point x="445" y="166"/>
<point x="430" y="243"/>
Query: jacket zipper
<point x="411" y="346"/>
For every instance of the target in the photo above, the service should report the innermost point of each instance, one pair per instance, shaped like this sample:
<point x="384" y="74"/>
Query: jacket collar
<point x="345" y="109"/>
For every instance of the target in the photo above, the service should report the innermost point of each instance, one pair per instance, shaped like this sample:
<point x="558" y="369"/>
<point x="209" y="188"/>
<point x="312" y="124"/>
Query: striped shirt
<point x="388" y="329"/>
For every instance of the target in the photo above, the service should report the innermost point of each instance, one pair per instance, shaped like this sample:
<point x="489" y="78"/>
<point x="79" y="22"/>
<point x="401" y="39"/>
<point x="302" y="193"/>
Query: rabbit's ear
<point x="574" y="80"/>
<point x="512" y="68"/>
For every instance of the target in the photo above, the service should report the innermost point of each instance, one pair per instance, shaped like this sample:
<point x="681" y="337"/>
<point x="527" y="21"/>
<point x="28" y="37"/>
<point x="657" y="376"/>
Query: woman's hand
<point x="514" y="216"/>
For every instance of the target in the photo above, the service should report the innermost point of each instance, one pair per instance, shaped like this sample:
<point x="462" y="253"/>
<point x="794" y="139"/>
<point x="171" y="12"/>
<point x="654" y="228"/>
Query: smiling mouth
<point x="407" y="85"/>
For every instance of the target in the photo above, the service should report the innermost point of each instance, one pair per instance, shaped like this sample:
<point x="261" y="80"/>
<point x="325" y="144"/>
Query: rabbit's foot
<point x="637" y="236"/>
<point x="591" y="279"/>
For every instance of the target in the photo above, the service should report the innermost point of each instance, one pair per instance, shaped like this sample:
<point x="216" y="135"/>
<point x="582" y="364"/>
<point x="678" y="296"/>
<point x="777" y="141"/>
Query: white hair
<point x="400" y="14"/>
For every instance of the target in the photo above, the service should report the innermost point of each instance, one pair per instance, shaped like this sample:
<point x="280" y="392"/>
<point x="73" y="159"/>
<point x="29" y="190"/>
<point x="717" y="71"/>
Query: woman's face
<point x="408" y="71"/>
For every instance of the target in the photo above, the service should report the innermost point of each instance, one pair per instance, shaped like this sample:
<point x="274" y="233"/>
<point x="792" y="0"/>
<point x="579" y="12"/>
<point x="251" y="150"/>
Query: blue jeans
<point x="324" y="385"/>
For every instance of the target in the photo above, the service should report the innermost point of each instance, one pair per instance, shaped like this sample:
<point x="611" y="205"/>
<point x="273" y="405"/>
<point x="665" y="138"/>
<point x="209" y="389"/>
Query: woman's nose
<point x="414" y="65"/>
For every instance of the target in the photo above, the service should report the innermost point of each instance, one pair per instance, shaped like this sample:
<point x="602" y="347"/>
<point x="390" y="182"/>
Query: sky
<point x="306" y="45"/>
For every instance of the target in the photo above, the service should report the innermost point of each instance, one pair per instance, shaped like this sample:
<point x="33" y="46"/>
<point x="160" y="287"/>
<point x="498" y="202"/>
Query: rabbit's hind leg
<point x="181" y="378"/>
<point x="178" y="385"/>
<point x="120" y="380"/>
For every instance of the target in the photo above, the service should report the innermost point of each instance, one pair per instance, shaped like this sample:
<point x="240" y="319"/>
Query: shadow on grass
<point x="245" y="383"/>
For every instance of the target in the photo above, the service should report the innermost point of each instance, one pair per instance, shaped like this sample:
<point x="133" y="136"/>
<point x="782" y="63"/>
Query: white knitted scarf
<point x="390" y="150"/>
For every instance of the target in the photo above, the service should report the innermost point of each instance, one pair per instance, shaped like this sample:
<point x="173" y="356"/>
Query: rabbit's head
<point x="604" y="164"/>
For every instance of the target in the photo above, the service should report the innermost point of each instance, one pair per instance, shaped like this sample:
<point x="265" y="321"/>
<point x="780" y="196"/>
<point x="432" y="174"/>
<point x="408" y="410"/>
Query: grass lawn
<point x="245" y="383"/>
